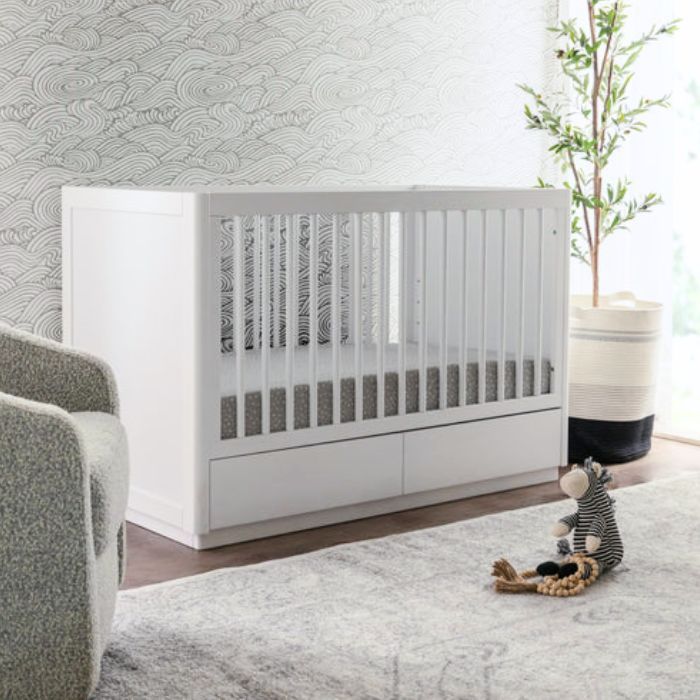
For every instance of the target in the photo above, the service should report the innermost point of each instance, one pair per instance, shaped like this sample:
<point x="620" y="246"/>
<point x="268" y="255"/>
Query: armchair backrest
<point x="45" y="371"/>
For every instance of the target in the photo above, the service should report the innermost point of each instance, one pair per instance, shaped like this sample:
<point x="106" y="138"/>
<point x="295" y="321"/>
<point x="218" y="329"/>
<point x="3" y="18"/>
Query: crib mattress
<point x="324" y="384"/>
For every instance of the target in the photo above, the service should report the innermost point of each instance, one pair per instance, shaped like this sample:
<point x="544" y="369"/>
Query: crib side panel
<point x="133" y="293"/>
<point x="385" y="315"/>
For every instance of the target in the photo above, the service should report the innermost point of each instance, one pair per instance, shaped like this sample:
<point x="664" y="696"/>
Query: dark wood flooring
<point x="152" y="558"/>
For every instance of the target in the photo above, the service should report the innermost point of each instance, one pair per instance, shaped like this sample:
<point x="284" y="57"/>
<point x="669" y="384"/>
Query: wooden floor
<point x="152" y="558"/>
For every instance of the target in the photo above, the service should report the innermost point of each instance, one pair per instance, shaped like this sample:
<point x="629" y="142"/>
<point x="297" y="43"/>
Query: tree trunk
<point x="594" y="274"/>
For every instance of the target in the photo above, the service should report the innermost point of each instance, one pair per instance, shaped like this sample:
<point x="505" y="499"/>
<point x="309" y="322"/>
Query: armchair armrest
<point x="44" y="480"/>
<point x="47" y="372"/>
<point x="47" y="558"/>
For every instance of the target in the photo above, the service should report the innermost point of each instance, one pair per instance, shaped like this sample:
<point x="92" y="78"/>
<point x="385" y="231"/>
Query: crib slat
<point x="422" y="312"/>
<point x="501" y="370"/>
<point x="369" y="316"/>
<point x="391" y="275"/>
<point x="239" y="322"/>
<point x="519" y="378"/>
<point x="443" y="314"/>
<point x="265" y="340"/>
<point x="388" y="277"/>
<point x="484" y="302"/>
<point x="289" y="324"/>
<point x="403" y="310"/>
<point x="256" y="282"/>
<point x="356" y="220"/>
<point x="313" y="320"/>
<point x="383" y="269"/>
<point x="464" y="324"/>
<point x="335" y="316"/>
<point x="277" y="282"/>
<point x="296" y="273"/>
<point x="537" y="389"/>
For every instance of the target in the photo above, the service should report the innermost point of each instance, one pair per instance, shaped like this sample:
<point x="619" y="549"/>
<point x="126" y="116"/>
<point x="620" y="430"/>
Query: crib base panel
<point x="265" y="494"/>
<point x="306" y="521"/>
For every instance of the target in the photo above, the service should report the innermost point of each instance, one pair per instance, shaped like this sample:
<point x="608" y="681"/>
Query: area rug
<point x="414" y="616"/>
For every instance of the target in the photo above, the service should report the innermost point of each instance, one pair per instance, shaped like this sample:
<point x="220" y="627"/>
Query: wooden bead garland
<point x="572" y="584"/>
<point x="508" y="580"/>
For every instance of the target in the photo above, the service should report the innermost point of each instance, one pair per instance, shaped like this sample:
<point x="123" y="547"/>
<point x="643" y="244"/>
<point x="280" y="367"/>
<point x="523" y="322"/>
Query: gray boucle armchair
<point x="63" y="492"/>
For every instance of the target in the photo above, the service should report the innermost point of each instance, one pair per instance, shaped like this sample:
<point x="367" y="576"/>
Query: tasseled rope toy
<point x="508" y="580"/>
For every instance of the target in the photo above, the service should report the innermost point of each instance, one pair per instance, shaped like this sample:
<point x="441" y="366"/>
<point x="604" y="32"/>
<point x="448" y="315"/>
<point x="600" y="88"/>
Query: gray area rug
<point x="414" y="616"/>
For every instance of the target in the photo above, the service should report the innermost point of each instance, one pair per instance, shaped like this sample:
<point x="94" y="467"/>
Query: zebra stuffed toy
<point x="597" y="542"/>
<point x="594" y="525"/>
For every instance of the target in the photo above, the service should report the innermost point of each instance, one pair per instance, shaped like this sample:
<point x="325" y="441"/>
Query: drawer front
<point x="487" y="449"/>
<point x="271" y="485"/>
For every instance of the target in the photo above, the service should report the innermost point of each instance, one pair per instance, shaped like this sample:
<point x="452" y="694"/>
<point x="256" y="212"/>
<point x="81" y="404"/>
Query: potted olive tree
<point x="614" y="339"/>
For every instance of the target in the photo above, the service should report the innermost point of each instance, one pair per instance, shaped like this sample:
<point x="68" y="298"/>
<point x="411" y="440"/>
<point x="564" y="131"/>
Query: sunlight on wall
<point x="680" y="413"/>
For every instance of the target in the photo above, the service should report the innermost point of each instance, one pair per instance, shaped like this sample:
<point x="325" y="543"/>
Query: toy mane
<point x="604" y="479"/>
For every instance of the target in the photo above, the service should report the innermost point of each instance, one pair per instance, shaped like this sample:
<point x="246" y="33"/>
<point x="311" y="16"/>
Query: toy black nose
<point x="548" y="568"/>
<point x="551" y="568"/>
<point x="567" y="569"/>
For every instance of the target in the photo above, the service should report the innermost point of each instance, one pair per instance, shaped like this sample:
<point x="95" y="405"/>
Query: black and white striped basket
<point x="613" y="365"/>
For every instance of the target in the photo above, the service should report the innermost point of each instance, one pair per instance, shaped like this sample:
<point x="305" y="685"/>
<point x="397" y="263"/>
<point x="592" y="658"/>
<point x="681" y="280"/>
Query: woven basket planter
<point x="613" y="365"/>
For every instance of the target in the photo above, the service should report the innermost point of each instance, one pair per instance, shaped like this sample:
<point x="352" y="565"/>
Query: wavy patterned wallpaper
<point x="242" y="91"/>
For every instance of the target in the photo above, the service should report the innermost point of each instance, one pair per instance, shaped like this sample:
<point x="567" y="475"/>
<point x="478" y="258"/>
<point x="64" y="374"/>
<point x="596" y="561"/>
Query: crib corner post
<point x="201" y="352"/>
<point x="563" y="223"/>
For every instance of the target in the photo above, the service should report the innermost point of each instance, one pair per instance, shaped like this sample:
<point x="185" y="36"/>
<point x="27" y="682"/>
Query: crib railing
<point x="357" y="312"/>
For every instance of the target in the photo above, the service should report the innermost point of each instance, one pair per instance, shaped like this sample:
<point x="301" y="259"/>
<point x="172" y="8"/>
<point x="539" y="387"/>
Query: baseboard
<point x="172" y="532"/>
<point x="147" y="506"/>
<point x="305" y="521"/>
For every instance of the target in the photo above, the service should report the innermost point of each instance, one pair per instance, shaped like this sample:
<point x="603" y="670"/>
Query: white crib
<point x="289" y="358"/>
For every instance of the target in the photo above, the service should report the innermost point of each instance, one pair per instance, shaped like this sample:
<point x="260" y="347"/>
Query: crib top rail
<point x="249" y="200"/>
<point x="319" y="201"/>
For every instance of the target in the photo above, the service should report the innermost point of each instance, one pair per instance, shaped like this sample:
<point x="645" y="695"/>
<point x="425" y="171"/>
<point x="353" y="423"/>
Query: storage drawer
<point x="276" y="484"/>
<point x="487" y="449"/>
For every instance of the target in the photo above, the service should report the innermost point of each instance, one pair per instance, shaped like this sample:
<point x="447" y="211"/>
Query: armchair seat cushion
<point x="106" y="454"/>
